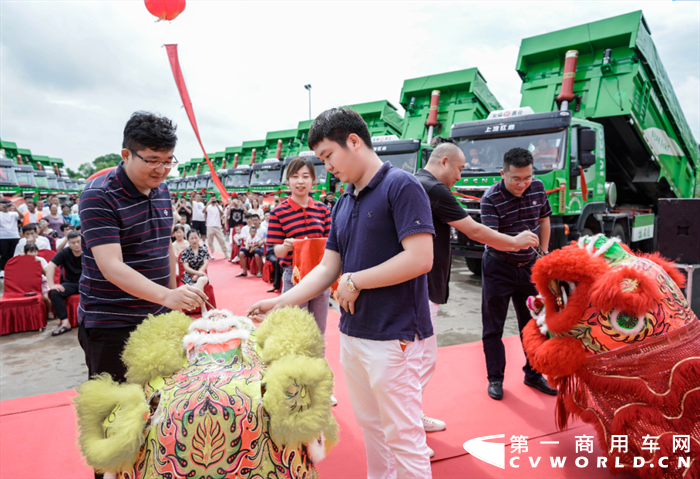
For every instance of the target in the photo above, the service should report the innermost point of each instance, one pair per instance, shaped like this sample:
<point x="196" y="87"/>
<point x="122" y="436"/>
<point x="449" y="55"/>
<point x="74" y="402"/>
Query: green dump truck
<point x="27" y="187"/>
<point x="605" y="128"/>
<point x="433" y="104"/>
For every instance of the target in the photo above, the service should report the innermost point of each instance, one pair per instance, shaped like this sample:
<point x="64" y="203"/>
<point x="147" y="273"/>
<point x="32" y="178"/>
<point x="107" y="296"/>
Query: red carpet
<point x="38" y="433"/>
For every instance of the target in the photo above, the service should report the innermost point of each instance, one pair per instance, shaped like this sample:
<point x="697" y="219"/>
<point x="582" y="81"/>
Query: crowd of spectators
<point x="28" y="227"/>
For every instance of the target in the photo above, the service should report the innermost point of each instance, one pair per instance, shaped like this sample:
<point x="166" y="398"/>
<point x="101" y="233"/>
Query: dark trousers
<point x="501" y="282"/>
<point x="58" y="298"/>
<point x="277" y="276"/>
<point x="103" y="350"/>
<point x="7" y="251"/>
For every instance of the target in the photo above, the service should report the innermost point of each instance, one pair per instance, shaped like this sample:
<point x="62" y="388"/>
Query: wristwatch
<point x="350" y="285"/>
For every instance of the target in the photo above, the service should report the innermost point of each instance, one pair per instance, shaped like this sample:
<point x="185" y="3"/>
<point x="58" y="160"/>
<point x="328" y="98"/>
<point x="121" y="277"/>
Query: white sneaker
<point x="2" y="274"/>
<point x="334" y="401"/>
<point x="431" y="453"/>
<point x="236" y="260"/>
<point x="432" y="425"/>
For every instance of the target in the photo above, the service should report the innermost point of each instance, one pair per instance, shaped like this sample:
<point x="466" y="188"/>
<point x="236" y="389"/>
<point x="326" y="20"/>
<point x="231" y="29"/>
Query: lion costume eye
<point x="627" y="323"/>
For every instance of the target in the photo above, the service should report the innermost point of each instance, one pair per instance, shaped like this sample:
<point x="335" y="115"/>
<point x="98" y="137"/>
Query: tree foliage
<point x="99" y="163"/>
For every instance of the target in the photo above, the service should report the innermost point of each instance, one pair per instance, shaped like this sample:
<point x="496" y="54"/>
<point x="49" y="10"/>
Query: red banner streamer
<point x="182" y="88"/>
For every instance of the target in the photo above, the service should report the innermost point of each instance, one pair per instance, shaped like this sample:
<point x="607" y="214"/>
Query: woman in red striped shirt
<point x="298" y="217"/>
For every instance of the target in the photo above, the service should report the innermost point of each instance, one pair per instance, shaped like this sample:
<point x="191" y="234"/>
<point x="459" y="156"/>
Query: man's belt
<point x="500" y="257"/>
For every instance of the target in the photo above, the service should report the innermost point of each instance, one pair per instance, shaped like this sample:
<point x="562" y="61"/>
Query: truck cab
<point x="238" y="179"/>
<point x="26" y="181"/>
<point x="266" y="177"/>
<point x="42" y="182"/>
<point x="408" y="155"/>
<point x="53" y="181"/>
<point x="8" y="179"/>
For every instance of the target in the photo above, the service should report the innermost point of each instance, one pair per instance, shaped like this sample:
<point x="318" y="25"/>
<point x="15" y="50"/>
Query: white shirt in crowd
<point x="41" y="243"/>
<point x="23" y="208"/>
<point x="248" y="240"/>
<point x="197" y="211"/>
<point x="213" y="216"/>
<point x="46" y="211"/>
<point x="33" y="216"/>
<point x="259" y="212"/>
<point x="74" y="209"/>
<point x="8" y="225"/>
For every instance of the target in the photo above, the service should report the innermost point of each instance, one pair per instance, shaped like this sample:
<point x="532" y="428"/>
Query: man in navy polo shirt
<point x="128" y="258"/>
<point x="515" y="204"/>
<point x="381" y="242"/>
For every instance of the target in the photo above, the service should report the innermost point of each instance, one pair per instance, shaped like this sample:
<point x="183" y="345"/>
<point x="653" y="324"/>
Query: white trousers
<point x="430" y="349"/>
<point x="212" y="233"/>
<point x="385" y="392"/>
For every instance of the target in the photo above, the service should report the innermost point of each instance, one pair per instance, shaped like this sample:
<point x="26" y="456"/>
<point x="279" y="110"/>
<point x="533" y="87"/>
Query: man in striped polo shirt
<point x="515" y="204"/>
<point x="128" y="258"/>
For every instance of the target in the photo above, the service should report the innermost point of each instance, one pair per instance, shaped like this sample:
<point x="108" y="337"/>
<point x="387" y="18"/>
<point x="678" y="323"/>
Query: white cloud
<point x="73" y="72"/>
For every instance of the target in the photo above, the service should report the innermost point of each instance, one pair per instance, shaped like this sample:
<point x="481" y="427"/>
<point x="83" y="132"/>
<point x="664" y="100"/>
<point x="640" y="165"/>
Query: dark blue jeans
<point x="501" y="282"/>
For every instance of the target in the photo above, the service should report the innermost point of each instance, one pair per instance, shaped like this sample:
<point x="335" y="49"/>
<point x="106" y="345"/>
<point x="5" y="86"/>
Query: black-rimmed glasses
<point x="155" y="164"/>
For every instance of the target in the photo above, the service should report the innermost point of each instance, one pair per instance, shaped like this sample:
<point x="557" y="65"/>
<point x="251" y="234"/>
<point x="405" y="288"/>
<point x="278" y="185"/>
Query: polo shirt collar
<point x="376" y="179"/>
<point x="296" y="206"/>
<point x="127" y="184"/>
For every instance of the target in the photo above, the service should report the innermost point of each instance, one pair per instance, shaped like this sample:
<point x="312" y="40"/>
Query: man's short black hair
<point x="517" y="158"/>
<point x="30" y="247"/>
<point x="73" y="234"/>
<point x="28" y="227"/>
<point x="65" y="226"/>
<point x="148" y="130"/>
<point x="336" y="125"/>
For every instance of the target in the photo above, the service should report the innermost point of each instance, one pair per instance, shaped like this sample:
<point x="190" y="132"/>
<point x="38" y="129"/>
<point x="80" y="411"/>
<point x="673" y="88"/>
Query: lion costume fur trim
<point x="288" y="331"/>
<point x="297" y="397"/>
<point x="155" y="348"/>
<point x="110" y="446"/>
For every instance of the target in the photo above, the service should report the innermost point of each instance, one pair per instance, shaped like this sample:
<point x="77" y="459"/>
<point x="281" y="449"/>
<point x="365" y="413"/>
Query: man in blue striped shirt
<point x="515" y="204"/>
<point x="128" y="259"/>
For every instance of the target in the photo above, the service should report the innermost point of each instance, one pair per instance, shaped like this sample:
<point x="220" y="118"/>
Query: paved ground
<point x="35" y="363"/>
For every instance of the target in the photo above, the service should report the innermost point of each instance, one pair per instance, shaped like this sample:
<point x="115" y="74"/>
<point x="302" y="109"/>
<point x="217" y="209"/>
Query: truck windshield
<point x="53" y="184"/>
<point x="42" y="181"/>
<point x="201" y="183"/>
<point x="404" y="161"/>
<point x="266" y="177"/>
<point x="210" y="184"/>
<point x="7" y="175"/>
<point x="485" y="155"/>
<point x="25" y="178"/>
<point x="190" y="185"/>
<point x="321" y="174"/>
<point x="237" y="180"/>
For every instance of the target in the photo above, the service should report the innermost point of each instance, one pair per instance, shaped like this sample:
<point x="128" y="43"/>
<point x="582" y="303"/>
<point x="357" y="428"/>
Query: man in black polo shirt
<point x="515" y="204"/>
<point x="128" y="259"/>
<point x="380" y="241"/>
<point x="443" y="170"/>
<point x="71" y="259"/>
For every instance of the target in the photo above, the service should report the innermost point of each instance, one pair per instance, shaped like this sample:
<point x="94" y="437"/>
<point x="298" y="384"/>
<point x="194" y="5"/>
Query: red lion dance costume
<point x="613" y="331"/>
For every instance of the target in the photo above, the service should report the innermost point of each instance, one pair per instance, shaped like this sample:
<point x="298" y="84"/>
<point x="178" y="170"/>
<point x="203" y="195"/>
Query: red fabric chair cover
<point x="252" y="265"/>
<point x="268" y="272"/>
<point x="72" y="307"/>
<point x="234" y="251"/>
<point x="19" y="312"/>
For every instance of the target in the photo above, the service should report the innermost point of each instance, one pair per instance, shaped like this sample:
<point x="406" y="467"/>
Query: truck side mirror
<point x="586" y="147"/>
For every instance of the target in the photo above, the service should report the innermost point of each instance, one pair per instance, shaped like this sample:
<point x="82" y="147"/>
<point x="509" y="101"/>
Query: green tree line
<point x="99" y="163"/>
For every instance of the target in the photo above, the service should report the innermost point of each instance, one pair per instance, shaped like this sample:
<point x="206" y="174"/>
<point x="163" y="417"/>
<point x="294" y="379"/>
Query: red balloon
<point x="101" y="172"/>
<point x="165" y="9"/>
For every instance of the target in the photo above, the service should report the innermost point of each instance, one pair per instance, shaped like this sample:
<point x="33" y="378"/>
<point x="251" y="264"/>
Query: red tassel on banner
<point x="584" y="186"/>
<point x="182" y="88"/>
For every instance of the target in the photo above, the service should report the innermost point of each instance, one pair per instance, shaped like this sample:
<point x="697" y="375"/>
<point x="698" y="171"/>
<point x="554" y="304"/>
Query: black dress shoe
<point x="541" y="383"/>
<point x="496" y="390"/>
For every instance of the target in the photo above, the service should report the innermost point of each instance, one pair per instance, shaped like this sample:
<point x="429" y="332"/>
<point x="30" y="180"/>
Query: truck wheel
<point x="585" y="232"/>
<point x="474" y="265"/>
<point x="619" y="231"/>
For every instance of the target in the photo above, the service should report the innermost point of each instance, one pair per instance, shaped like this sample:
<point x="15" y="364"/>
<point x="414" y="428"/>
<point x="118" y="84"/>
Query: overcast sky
<point x="71" y="73"/>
